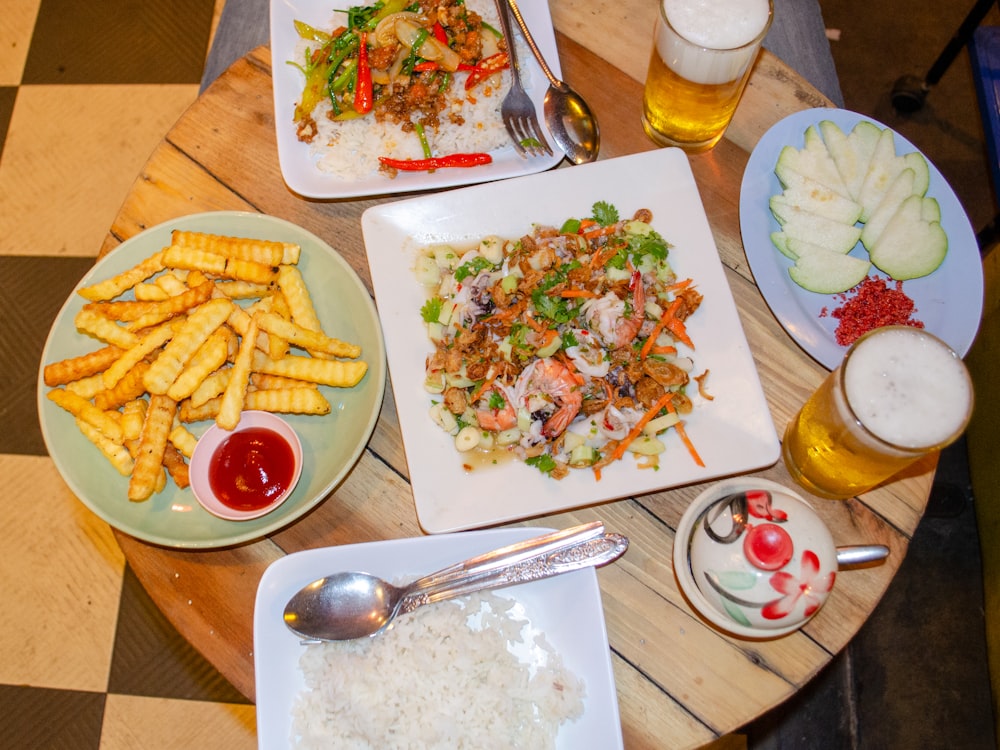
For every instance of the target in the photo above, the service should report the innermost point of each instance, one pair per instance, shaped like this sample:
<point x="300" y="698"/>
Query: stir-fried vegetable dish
<point x="399" y="61"/>
<point x="567" y="347"/>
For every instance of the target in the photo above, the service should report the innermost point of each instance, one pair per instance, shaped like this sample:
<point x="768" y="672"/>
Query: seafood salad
<point x="566" y="348"/>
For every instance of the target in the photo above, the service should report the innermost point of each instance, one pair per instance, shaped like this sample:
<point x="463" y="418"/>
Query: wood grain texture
<point x="680" y="682"/>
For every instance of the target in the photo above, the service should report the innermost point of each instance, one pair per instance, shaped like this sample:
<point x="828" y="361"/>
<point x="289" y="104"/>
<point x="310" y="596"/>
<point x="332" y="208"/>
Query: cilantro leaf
<point x="604" y="213"/>
<point x="544" y="463"/>
<point x="431" y="310"/>
<point x="472" y="268"/>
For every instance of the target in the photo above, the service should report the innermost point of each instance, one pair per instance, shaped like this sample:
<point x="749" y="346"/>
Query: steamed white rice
<point x="469" y="673"/>
<point x="350" y="149"/>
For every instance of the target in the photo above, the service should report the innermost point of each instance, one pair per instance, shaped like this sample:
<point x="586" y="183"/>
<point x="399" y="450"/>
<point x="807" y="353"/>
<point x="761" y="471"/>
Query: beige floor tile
<point x="17" y="21"/>
<point x="61" y="570"/>
<point x="72" y="153"/>
<point x="134" y="723"/>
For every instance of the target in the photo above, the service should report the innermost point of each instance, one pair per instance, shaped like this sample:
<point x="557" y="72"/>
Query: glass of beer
<point x="899" y="394"/>
<point x="703" y="51"/>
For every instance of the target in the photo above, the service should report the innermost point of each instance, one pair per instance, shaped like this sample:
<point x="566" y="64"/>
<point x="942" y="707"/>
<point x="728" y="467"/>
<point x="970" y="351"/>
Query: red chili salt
<point x="872" y="304"/>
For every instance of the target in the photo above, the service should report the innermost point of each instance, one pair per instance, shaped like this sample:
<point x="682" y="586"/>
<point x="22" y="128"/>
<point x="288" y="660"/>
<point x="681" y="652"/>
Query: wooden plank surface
<point x="680" y="682"/>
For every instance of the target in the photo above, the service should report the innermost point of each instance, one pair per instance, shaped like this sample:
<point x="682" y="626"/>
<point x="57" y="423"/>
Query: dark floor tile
<point x="920" y="662"/>
<point x="818" y="716"/>
<point x="33" y="717"/>
<point x="33" y="290"/>
<point x="7" y="96"/>
<point x="119" y="41"/>
<point x="152" y="659"/>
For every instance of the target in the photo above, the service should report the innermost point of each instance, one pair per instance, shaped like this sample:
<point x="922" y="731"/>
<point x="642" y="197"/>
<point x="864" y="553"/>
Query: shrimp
<point x="610" y="319"/>
<point x="549" y="382"/>
<point x="496" y="420"/>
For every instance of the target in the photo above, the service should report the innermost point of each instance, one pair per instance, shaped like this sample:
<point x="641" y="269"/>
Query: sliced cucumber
<point x="899" y="191"/>
<point x="828" y="273"/>
<point x="910" y="246"/>
<point x="851" y="153"/>
<point x="833" y="235"/>
<point x="806" y="193"/>
<point x="884" y="168"/>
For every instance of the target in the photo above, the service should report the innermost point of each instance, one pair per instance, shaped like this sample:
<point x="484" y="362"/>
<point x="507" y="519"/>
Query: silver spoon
<point x="572" y="124"/>
<point x="354" y="605"/>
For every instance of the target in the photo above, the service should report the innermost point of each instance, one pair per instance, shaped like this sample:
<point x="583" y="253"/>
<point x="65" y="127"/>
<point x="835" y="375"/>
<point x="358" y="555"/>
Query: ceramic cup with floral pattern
<point x="754" y="558"/>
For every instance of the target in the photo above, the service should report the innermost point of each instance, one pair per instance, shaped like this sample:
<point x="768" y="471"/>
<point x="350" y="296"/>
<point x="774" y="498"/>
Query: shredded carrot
<point x="679" y="285"/>
<point x="585" y="224"/>
<point x="667" y="316"/>
<point x="661" y="403"/>
<point x="482" y="388"/>
<point x="687" y="442"/>
<point x="663" y="350"/>
<point x="679" y="330"/>
<point x="603" y="255"/>
<point x="577" y="293"/>
<point x="600" y="231"/>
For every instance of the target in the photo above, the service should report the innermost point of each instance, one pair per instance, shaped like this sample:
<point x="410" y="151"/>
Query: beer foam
<point x="908" y="388"/>
<point x="718" y="24"/>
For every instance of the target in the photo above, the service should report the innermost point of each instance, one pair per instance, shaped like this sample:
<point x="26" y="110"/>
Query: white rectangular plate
<point x="734" y="432"/>
<point x="567" y="609"/>
<point x="298" y="166"/>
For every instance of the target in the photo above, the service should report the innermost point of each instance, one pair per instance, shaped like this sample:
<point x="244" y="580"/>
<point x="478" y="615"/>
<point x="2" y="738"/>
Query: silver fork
<point x="517" y="110"/>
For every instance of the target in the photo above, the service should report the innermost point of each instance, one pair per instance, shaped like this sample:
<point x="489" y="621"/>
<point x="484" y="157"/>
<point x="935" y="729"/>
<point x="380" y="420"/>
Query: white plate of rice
<point x="350" y="167"/>
<point x="460" y="691"/>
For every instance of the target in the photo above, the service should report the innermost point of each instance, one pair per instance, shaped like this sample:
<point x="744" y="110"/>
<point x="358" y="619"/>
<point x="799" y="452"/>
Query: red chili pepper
<point x="487" y="67"/>
<point x="425" y="66"/>
<point x="439" y="33"/>
<point x="437" y="162"/>
<point x="363" y="96"/>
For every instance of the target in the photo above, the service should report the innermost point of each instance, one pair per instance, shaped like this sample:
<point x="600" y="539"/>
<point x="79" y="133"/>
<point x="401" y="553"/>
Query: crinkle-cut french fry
<point x="126" y="389"/>
<point x="67" y="370"/>
<point x="303" y="400"/>
<point x="128" y="310"/>
<point x="264" y="382"/>
<point x="277" y="347"/>
<point x="173" y="284"/>
<point x="111" y="288"/>
<point x="247" y="270"/>
<point x="83" y="409"/>
<point x="268" y="252"/>
<point x="210" y="357"/>
<point x="105" y="329"/>
<point x="133" y="415"/>
<point x="192" y="259"/>
<point x="236" y="388"/>
<point x="310" y="340"/>
<point x="176" y="466"/>
<point x="296" y="293"/>
<point x="242" y="289"/>
<point x="239" y="320"/>
<point x="87" y="387"/>
<point x="116" y="453"/>
<point x="152" y="445"/>
<point x="149" y="292"/>
<point x="199" y="325"/>
<point x="183" y="440"/>
<point x="332" y="372"/>
<point x="149" y="343"/>
<point x="161" y="475"/>
<point x="210" y="387"/>
<point x="188" y="412"/>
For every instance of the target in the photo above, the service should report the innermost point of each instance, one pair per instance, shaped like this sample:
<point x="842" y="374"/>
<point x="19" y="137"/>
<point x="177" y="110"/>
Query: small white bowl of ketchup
<point x="249" y="471"/>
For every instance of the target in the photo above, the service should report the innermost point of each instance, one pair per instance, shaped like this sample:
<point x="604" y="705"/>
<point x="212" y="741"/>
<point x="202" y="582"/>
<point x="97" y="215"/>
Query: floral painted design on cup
<point x="757" y="560"/>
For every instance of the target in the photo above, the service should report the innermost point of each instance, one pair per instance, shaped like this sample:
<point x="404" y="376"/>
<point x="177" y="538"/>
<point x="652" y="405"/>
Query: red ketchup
<point x="251" y="468"/>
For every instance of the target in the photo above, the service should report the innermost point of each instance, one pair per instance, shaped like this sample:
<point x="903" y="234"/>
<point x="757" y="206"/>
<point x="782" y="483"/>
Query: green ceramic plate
<point x="331" y="444"/>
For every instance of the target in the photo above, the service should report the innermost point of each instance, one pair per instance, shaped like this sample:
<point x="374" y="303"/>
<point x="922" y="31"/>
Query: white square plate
<point x="298" y="166"/>
<point x="567" y="609"/>
<point x="733" y="433"/>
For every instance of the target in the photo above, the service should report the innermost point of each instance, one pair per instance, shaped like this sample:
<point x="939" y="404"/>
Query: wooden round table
<point x="680" y="682"/>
